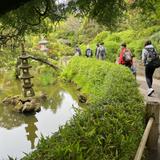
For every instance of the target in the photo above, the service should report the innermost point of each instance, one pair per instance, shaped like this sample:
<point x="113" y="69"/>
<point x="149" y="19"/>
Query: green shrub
<point x="136" y="47"/>
<point x="59" y="49"/>
<point x="46" y="76"/>
<point x="112" y="48"/>
<point x="101" y="36"/>
<point x="148" y="31"/>
<point x="114" y="37"/>
<point x="110" y="128"/>
<point x="155" y="38"/>
<point x="8" y="58"/>
<point x="127" y="36"/>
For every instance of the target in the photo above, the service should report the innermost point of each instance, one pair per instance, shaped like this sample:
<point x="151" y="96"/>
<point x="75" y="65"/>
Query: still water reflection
<point x="20" y="133"/>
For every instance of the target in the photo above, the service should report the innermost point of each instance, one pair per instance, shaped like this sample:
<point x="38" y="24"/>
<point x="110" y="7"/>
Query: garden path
<point x="143" y="89"/>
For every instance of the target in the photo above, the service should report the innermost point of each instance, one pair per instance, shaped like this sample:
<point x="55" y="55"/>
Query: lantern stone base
<point x="25" y="105"/>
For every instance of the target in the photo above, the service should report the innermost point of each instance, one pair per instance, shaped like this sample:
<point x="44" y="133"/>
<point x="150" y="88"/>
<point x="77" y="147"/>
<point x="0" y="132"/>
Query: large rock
<point x="24" y="105"/>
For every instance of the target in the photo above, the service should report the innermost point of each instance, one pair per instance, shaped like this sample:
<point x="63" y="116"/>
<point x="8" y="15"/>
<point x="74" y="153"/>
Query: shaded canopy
<point x="9" y="5"/>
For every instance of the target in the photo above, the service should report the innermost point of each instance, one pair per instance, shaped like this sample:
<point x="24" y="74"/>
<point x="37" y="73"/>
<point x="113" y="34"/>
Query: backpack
<point x="89" y="53"/>
<point x="153" y="58"/>
<point x="127" y="56"/>
<point x="102" y="51"/>
<point x="152" y="54"/>
<point x="78" y="52"/>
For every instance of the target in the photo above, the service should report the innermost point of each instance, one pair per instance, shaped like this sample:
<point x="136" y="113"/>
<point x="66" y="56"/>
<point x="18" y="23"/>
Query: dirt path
<point x="143" y="89"/>
<point x="143" y="85"/>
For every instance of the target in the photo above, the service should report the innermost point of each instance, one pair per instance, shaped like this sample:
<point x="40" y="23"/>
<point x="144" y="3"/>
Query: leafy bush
<point x="112" y="50"/>
<point x="110" y="127"/>
<point x="8" y="58"/>
<point x="59" y="49"/>
<point x="136" y="47"/>
<point x="114" y="37"/>
<point x="156" y="39"/>
<point x="128" y="36"/>
<point x="149" y="31"/>
<point x="101" y="36"/>
<point x="46" y="75"/>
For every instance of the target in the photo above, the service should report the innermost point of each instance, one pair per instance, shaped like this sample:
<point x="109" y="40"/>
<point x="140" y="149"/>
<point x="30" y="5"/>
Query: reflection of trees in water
<point x="10" y="119"/>
<point x="72" y="90"/>
<point x="54" y="97"/>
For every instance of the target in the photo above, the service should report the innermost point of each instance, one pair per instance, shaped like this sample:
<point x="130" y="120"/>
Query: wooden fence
<point x="150" y="137"/>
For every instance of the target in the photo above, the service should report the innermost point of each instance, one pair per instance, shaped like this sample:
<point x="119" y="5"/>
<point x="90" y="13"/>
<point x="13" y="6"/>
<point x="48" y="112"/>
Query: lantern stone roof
<point x="43" y="41"/>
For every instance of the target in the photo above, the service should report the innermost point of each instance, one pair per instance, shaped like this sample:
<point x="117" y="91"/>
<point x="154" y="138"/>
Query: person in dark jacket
<point x="89" y="52"/>
<point x="78" y="51"/>
<point x="97" y="51"/>
<point x="147" y="53"/>
<point x="101" y="52"/>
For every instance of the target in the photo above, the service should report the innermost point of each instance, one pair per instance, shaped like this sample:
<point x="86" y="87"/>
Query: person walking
<point x="97" y="51"/>
<point x="78" y="51"/>
<point x="101" y="52"/>
<point x="126" y="58"/>
<point x="149" y="54"/>
<point x="88" y="52"/>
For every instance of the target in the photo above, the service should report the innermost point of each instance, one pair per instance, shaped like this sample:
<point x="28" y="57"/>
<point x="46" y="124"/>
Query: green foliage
<point x="112" y="50"/>
<point x="101" y="36"/>
<point x="149" y="31"/>
<point x="136" y="47"/>
<point x="88" y="30"/>
<point x="156" y="39"/>
<point x="59" y="49"/>
<point x="149" y="9"/>
<point x="127" y="36"/>
<point x="114" y="37"/>
<point x="110" y="127"/>
<point x="28" y="18"/>
<point x="101" y="10"/>
<point x="135" y="40"/>
<point x="8" y="58"/>
<point x="46" y="76"/>
<point x="80" y="72"/>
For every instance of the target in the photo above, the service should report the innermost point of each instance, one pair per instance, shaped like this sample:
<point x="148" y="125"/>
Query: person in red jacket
<point x="121" y="56"/>
<point x="126" y="58"/>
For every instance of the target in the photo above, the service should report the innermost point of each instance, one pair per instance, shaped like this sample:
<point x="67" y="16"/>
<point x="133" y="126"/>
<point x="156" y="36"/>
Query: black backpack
<point x="152" y="54"/>
<point x="89" y="52"/>
<point x="153" y="58"/>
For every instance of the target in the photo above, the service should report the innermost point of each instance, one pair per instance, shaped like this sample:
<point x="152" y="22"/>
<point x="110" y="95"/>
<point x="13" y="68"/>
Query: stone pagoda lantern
<point x="43" y="45"/>
<point x="25" y="75"/>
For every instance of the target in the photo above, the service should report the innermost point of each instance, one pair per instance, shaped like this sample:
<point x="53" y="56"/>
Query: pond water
<point x="20" y="133"/>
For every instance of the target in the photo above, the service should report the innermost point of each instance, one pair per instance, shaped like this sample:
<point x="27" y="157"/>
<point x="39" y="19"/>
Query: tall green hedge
<point x="110" y="127"/>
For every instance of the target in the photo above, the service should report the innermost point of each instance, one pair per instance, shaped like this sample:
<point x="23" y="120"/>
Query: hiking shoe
<point x="150" y="91"/>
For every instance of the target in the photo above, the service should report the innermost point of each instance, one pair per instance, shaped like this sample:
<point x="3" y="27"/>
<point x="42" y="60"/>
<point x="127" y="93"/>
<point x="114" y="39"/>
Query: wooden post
<point x="153" y="109"/>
